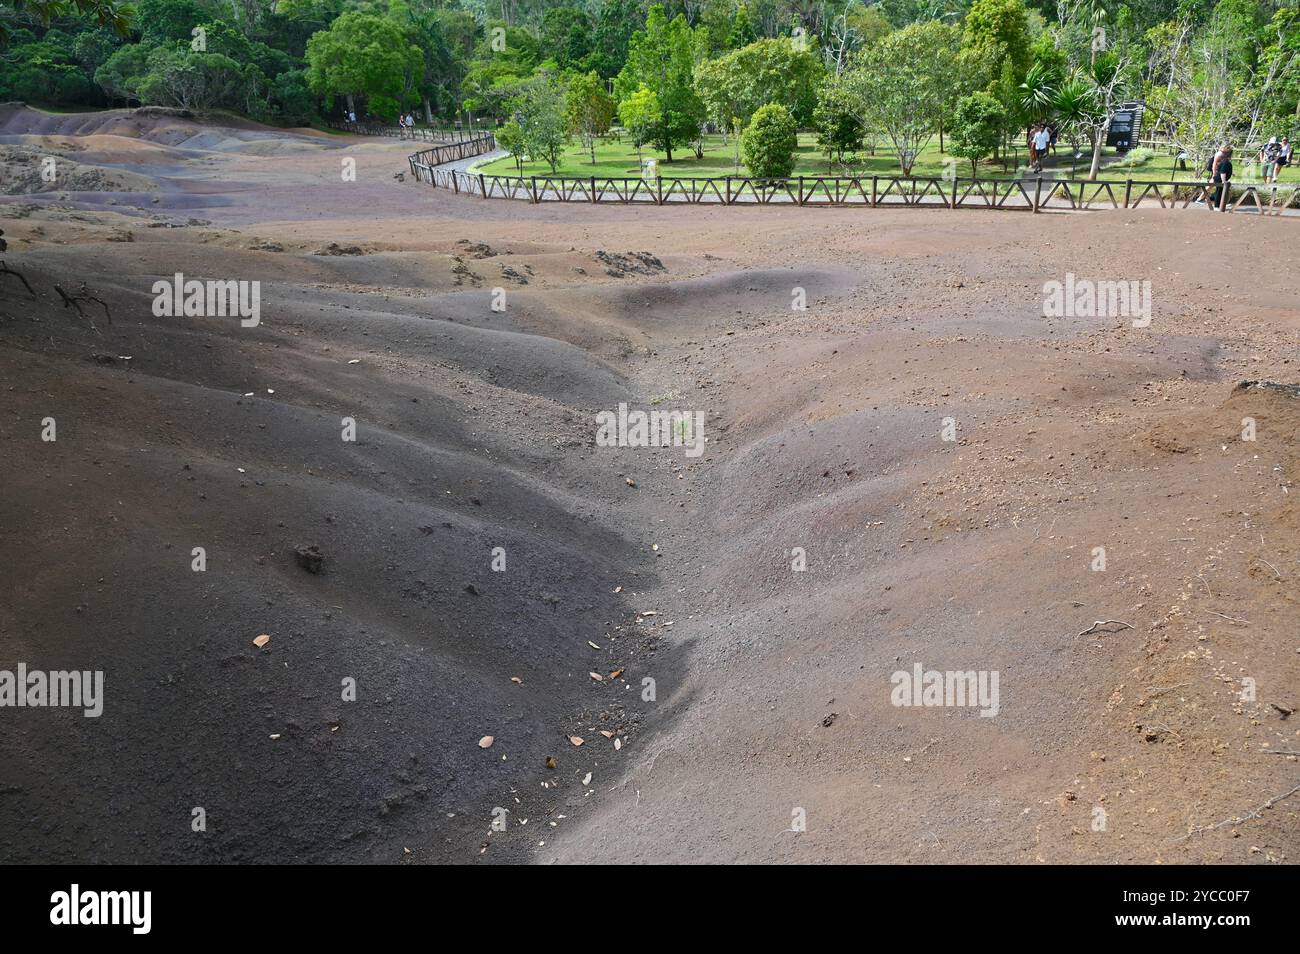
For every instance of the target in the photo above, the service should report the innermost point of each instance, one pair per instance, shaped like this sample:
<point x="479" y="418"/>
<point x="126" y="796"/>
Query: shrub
<point x="383" y="108"/>
<point x="976" y="128"/>
<point x="769" y="143"/>
<point x="1136" y="157"/>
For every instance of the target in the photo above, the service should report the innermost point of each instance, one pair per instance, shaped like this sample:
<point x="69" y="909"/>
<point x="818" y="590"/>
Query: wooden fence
<point x="424" y="163"/>
<point x="417" y="133"/>
<point x="1032" y="195"/>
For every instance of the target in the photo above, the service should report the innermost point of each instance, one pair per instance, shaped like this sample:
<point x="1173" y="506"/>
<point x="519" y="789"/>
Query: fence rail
<point x="417" y="133"/>
<point x="1031" y="195"/>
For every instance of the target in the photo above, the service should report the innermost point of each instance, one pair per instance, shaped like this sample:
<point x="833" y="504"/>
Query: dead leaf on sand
<point x="486" y="742"/>
<point x="262" y="640"/>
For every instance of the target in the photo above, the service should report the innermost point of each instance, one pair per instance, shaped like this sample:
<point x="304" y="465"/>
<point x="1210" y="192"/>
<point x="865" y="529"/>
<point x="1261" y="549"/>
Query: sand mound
<point x="176" y="128"/>
<point x="25" y="170"/>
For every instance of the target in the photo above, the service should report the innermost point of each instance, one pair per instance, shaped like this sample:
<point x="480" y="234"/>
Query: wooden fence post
<point x="1038" y="192"/>
<point x="482" y="185"/>
<point x="535" y="200"/>
<point x="873" y="191"/>
<point x="1128" y="190"/>
<point x="801" y="202"/>
<point x="953" y="203"/>
<point x="659" y="188"/>
<point x="728" y="190"/>
<point x="593" y="188"/>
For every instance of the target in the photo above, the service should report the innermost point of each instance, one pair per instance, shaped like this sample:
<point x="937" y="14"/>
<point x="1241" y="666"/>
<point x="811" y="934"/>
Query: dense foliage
<point x="977" y="73"/>
<point x="770" y="141"/>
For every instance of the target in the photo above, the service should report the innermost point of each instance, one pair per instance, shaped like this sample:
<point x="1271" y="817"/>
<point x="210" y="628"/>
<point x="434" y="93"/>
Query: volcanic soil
<point x="522" y="646"/>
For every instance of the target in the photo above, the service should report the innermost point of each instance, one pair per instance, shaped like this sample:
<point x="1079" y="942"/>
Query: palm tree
<point x="1076" y="107"/>
<point x="1095" y="13"/>
<point x="1037" y="93"/>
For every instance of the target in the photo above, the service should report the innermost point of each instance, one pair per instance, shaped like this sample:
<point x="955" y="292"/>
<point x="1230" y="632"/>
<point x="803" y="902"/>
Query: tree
<point x="896" y="90"/>
<point x="178" y="76"/>
<point x="769" y="143"/>
<point x="976" y="128"/>
<point x="640" y="114"/>
<point x="854" y="28"/>
<point x="1204" y="101"/>
<point x="45" y="71"/>
<point x="290" y="91"/>
<point x="163" y="20"/>
<point x="1077" y="111"/>
<point x="510" y="137"/>
<point x="425" y="26"/>
<point x="566" y="36"/>
<point x="120" y="75"/>
<point x="613" y="32"/>
<point x="742" y="29"/>
<point x="1036" y="93"/>
<point x="538" y="108"/>
<point x="1273" y="90"/>
<point x="1107" y="77"/>
<point x="361" y="53"/>
<point x="104" y="12"/>
<point x="734" y="86"/>
<point x="495" y="71"/>
<point x="662" y="57"/>
<point x="588" y="109"/>
<point x="999" y="29"/>
<point x="838" y="121"/>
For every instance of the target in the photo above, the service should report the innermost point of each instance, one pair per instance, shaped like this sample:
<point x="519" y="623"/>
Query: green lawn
<point x="619" y="160"/>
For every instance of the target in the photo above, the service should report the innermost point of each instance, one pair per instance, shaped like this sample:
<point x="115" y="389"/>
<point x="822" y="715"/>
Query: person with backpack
<point x="1268" y="157"/>
<point x="1212" y="167"/>
<point x="1222" y="177"/>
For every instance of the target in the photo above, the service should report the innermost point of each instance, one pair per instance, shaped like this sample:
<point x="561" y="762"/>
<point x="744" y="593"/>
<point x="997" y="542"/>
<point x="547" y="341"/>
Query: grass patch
<point x="619" y="159"/>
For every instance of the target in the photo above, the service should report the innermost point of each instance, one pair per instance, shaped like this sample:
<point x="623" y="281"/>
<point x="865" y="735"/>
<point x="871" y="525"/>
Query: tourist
<point x="1222" y="177"/>
<point x="1212" y="166"/>
<point x="1042" y="140"/>
<point x="1283" y="157"/>
<point x="1268" y="157"/>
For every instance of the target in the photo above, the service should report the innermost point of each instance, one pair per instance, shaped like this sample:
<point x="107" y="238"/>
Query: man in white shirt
<point x="1042" y="139"/>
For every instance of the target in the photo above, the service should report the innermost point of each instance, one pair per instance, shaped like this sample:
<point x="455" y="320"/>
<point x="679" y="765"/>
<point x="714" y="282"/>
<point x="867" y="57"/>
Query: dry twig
<point x="1253" y="813"/>
<point x="74" y="301"/>
<point x="1104" y="622"/>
